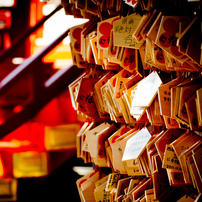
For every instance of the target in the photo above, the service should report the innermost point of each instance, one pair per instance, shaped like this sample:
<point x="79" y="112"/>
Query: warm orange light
<point x="2" y="121"/>
<point x="7" y="40"/>
<point x="29" y="136"/>
<point x="2" y="169"/>
<point x="14" y="143"/>
<point x="59" y="56"/>
<point x="17" y="109"/>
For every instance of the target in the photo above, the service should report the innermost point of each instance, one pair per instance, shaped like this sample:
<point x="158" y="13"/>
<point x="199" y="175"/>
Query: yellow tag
<point x="30" y="164"/>
<point x="112" y="181"/>
<point x="61" y="137"/>
<point x="170" y="160"/>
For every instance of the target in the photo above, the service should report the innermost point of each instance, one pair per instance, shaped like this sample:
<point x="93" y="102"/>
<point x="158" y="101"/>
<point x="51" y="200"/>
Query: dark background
<point x="59" y="186"/>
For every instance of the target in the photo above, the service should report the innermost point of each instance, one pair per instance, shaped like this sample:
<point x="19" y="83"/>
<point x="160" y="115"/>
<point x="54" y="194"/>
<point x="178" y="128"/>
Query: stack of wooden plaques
<point x="141" y="95"/>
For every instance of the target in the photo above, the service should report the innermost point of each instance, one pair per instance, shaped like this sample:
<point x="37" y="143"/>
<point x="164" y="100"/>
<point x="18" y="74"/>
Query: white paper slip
<point x="136" y="144"/>
<point x="146" y="90"/>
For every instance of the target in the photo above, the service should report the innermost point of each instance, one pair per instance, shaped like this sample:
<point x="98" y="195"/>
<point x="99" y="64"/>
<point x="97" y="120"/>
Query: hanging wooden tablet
<point x="199" y="105"/>
<point x="130" y="60"/>
<point x="103" y="32"/>
<point x="194" y="45"/>
<point x="167" y="36"/>
<point x="164" y="94"/>
<point x="152" y="33"/>
<point x="123" y="30"/>
<point x="85" y="97"/>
